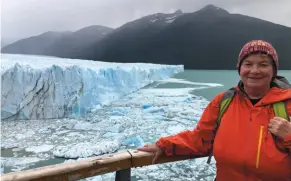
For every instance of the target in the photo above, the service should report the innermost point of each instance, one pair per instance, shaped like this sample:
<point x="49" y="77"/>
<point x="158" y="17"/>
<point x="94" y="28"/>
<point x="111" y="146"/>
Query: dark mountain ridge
<point x="60" y="44"/>
<point x="210" y="38"/>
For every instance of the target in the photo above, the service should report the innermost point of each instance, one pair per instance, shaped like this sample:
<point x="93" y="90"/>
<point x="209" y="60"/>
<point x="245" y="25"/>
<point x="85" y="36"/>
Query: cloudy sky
<point x="24" y="18"/>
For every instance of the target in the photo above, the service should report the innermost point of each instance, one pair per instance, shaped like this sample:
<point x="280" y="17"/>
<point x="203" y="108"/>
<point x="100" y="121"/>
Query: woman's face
<point x="257" y="71"/>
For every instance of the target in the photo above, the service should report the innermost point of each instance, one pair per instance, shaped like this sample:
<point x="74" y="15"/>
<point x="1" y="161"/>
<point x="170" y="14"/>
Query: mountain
<point x="129" y="38"/>
<point x="60" y="44"/>
<point x="71" y="44"/>
<point x="210" y="38"/>
<point x="36" y="45"/>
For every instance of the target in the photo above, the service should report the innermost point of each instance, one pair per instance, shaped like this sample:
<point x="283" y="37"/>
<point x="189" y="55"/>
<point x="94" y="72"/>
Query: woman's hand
<point x="153" y="148"/>
<point x="280" y="127"/>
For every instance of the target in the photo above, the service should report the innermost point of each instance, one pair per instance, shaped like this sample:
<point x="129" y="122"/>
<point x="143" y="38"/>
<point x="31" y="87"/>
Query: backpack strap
<point x="225" y="101"/>
<point x="280" y="110"/>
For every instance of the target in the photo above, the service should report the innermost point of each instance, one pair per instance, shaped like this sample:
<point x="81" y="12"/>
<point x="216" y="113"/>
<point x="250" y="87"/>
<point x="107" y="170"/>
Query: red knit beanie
<point x="256" y="46"/>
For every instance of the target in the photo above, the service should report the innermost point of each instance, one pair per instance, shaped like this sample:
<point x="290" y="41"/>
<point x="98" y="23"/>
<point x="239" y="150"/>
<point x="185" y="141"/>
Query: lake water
<point x="176" y="104"/>
<point x="228" y="78"/>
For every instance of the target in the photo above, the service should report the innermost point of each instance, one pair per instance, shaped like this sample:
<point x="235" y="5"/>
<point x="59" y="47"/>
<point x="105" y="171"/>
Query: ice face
<point x="46" y="88"/>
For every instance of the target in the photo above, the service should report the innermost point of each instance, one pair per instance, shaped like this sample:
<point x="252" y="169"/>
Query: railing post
<point x="123" y="175"/>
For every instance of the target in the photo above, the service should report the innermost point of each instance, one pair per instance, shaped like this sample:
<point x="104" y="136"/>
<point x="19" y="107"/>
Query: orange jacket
<point x="243" y="148"/>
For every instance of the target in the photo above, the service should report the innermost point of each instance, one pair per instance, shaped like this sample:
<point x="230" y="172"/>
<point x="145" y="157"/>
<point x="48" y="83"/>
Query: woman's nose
<point x="255" y="69"/>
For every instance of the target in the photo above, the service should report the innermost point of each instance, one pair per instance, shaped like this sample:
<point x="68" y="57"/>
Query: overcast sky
<point x="24" y="18"/>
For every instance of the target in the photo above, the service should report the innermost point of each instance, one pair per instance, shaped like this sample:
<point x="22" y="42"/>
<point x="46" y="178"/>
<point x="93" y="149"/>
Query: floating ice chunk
<point x="87" y="149"/>
<point x="145" y="106"/>
<point x="62" y="132"/>
<point x="114" y="128"/>
<point x="7" y="145"/>
<point x="183" y="81"/>
<point x="74" y="160"/>
<point x="151" y="171"/>
<point x="120" y="111"/>
<point x="135" y="141"/>
<point x="17" y="149"/>
<point x="154" y="117"/>
<point x="104" y="177"/>
<point x="164" y="92"/>
<point x="71" y="123"/>
<point x="78" y="150"/>
<point x="175" y="129"/>
<point x="19" y="163"/>
<point x="117" y="113"/>
<point x="175" y="109"/>
<point x="188" y="100"/>
<point x="110" y="135"/>
<point x="86" y="126"/>
<point x="45" y="130"/>
<point x="153" y="110"/>
<point x="75" y="134"/>
<point x="23" y="136"/>
<point x="196" y="119"/>
<point x="39" y="149"/>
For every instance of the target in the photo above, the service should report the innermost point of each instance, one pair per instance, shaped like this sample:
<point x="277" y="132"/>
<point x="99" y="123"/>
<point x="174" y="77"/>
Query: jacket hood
<point x="281" y="82"/>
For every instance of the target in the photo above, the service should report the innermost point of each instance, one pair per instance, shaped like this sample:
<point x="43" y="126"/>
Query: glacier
<point x="38" y="87"/>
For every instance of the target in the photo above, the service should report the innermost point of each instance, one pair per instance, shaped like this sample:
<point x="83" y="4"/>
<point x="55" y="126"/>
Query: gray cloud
<point x="24" y="18"/>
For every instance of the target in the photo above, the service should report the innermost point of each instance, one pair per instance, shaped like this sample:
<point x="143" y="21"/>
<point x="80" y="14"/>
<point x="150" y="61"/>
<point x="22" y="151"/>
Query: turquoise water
<point x="228" y="78"/>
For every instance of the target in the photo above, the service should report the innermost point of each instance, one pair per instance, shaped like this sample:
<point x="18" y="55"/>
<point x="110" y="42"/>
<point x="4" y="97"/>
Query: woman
<point x="251" y="142"/>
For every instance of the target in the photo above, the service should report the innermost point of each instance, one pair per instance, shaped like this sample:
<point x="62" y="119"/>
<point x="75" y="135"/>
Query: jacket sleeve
<point x="197" y="142"/>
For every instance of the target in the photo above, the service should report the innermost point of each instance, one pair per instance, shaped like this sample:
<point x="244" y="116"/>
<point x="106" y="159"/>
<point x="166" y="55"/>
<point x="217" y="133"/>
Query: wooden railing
<point x="121" y="163"/>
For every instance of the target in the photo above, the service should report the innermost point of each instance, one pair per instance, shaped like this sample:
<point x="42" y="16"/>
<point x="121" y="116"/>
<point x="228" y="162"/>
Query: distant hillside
<point x="36" y="45"/>
<point x="210" y="38"/>
<point x="72" y="44"/>
<point x="61" y="44"/>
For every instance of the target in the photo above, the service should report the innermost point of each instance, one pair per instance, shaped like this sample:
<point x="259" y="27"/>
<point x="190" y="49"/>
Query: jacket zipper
<point x="259" y="147"/>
